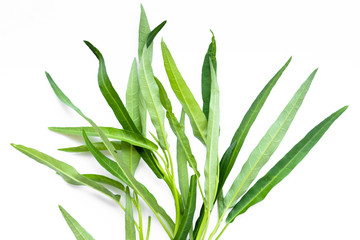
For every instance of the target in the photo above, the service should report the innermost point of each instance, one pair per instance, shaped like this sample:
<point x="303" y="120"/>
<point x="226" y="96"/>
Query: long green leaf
<point x="105" y="180"/>
<point x="212" y="161"/>
<point x="187" y="218"/>
<point x="229" y="157"/>
<point x="144" y="30"/>
<point x="119" y="109"/>
<point x="283" y="167"/>
<point x="267" y="145"/>
<point x="135" y="139"/>
<point x="150" y="92"/>
<point x="63" y="168"/>
<point x="206" y="75"/>
<point x="138" y="187"/>
<point x="191" y="107"/>
<point x="129" y="219"/>
<point x="79" y="232"/>
<point x="99" y="146"/>
<point x="181" y="159"/>
<point x="133" y="95"/>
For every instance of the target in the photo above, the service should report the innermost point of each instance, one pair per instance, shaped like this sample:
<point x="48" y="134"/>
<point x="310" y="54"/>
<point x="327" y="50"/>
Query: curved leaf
<point x="267" y="145"/>
<point x="63" y="169"/>
<point x="153" y="33"/>
<point x="283" y="167"/>
<point x="79" y="232"/>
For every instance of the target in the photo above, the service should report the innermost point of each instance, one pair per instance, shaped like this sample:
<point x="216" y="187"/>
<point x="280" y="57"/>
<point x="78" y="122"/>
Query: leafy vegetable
<point x="121" y="156"/>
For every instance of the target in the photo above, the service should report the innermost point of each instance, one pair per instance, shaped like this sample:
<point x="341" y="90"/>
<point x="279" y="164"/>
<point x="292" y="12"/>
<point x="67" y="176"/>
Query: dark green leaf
<point x="206" y="75"/>
<point x="153" y="33"/>
<point x="283" y="167"/>
<point x="187" y="219"/>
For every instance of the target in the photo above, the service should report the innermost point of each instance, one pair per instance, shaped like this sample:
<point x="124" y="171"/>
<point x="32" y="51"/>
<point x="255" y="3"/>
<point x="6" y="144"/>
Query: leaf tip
<point x="94" y="49"/>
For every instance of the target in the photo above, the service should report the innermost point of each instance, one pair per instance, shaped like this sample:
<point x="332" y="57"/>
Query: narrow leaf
<point x="187" y="219"/>
<point x="150" y="92"/>
<point x="79" y="232"/>
<point x="105" y="180"/>
<point x="267" y="145"/>
<point x="181" y="159"/>
<point x="129" y="219"/>
<point x="283" y="167"/>
<point x="153" y="33"/>
<point x="164" y="99"/>
<point x="138" y="187"/>
<point x="135" y="139"/>
<point x="229" y="157"/>
<point x="206" y="75"/>
<point x="191" y="107"/>
<point x="212" y="160"/>
<point x="99" y="146"/>
<point x="129" y="154"/>
<point x="144" y="30"/>
<point x="63" y="168"/>
<point x="119" y="109"/>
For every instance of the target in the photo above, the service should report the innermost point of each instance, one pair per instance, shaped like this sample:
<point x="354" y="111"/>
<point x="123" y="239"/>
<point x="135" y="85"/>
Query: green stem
<point x="148" y="228"/>
<point x="202" y="226"/>
<point x="137" y="205"/>
<point x="222" y="231"/>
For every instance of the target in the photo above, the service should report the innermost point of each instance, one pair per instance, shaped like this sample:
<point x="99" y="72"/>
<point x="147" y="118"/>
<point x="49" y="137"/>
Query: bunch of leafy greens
<point x="146" y="94"/>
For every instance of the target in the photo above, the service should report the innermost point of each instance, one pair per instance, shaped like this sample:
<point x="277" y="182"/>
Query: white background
<point x="320" y="198"/>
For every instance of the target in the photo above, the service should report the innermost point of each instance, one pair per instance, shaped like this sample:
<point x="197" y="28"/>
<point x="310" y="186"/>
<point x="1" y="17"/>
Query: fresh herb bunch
<point x="146" y="94"/>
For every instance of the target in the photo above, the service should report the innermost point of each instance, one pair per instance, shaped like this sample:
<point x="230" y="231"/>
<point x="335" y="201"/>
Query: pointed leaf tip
<point x="94" y="50"/>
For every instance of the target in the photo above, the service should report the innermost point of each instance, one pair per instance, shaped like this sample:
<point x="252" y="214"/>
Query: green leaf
<point x="108" y="164"/>
<point x="153" y="33"/>
<point x="99" y="146"/>
<point x="164" y="99"/>
<point x="129" y="153"/>
<point x="187" y="219"/>
<point x="144" y="30"/>
<point x="129" y="219"/>
<point x="206" y="75"/>
<point x="105" y="180"/>
<point x="137" y="187"/>
<point x="79" y="232"/>
<point x="267" y="145"/>
<point x="212" y="160"/>
<point x="191" y="107"/>
<point x="150" y="92"/>
<point x="229" y="157"/>
<point x="181" y="159"/>
<point x="63" y="169"/>
<point x="283" y="167"/>
<point x="135" y="139"/>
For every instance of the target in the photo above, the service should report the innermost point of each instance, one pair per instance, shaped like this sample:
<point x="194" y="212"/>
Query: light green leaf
<point x="187" y="219"/>
<point x="129" y="219"/>
<point x="105" y="180"/>
<point x="135" y="139"/>
<point x="79" y="232"/>
<point x="181" y="159"/>
<point x="137" y="187"/>
<point x="229" y="157"/>
<point x="267" y="145"/>
<point x="191" y="107"/>
<point x="164" y="99"/>
<point x="119" y="109"/>
<point x="99" y="146"/>
<point x="283" y="167"/>
<point x="206" y="75"/>
<point x="150" y="92"/>
<point x="212" y="161"/>
<point x="129" y="154"/>
<point x="63" y="169"/>
<point x="144" y="30"/>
